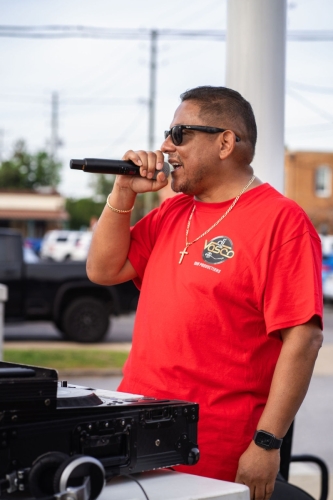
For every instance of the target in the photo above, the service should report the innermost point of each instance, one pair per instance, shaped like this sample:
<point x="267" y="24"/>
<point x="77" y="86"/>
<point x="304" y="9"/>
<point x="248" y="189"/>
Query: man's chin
<point x="178" y="188"/>
<point x="175" y="190"/>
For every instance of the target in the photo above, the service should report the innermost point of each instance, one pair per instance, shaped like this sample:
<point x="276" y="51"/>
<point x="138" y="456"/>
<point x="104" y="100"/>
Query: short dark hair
<point x="222" y="102"/>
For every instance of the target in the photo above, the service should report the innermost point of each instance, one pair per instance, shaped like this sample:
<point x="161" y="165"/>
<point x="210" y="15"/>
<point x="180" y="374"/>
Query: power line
<point x="313" y="130"/>
<point x="68" y="31"/>
<point x="87" y="101"/>
<point x="308" y="104"/>
<point x="311" y="88"/>
<point x="310" y="36"/>
<point x="115" y="101"/>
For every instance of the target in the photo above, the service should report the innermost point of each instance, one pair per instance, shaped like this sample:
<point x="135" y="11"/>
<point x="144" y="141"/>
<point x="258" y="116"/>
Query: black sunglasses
<point x="176" y="132"/>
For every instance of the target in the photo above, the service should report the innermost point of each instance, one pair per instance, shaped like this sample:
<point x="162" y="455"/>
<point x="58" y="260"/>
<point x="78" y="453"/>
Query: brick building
<point x="309" y="181"/>
<point x="31" y="212"/>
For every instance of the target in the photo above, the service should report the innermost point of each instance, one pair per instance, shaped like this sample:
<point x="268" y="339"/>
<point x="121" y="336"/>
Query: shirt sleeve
<point x="293" y="292"/>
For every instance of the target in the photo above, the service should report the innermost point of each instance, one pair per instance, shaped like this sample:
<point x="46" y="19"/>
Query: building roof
<point x="27" y="205"/>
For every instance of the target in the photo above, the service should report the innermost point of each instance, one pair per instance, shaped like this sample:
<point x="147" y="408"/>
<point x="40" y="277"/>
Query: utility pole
<point x="149" y="197"/>
<point x="54" y="142"/>
<point x="2" y="134"/>
<point x="152" y="89"/>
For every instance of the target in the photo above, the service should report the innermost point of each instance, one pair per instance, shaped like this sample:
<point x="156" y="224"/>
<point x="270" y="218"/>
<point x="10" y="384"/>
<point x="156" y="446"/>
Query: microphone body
<point x="117" y="167"/>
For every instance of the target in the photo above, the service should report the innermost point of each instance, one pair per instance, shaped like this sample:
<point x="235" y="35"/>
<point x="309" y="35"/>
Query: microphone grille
<point x="165" y="170"/>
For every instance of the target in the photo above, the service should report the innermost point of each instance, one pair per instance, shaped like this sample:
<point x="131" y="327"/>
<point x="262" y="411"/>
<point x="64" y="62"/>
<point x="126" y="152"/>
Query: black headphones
<point x="56" y="476"/>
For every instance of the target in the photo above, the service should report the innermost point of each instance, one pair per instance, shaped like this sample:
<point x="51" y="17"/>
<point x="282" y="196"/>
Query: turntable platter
<point x="73" y="397"/>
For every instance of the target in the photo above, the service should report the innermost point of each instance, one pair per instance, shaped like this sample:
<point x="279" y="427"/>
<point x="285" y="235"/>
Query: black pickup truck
<point x="60" y="292"/>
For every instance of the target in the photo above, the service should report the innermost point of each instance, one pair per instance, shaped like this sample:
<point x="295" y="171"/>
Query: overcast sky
<point x="103" y="85"/>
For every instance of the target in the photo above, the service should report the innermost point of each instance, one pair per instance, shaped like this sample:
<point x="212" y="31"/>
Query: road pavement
<point x="313" y="432"/>
<point x="120" y="330"/>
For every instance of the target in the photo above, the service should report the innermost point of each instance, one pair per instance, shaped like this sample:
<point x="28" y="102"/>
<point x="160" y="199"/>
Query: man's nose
<point x="167" y="145"/>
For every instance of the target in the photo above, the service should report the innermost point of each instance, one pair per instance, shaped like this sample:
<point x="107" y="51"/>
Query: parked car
<point x="34" y="244"/>
<point x="328" y="287"/>
<point x="81" y="248"/>
<point x="327" y="276"/>
<point x="327" y="266"/>
<point x="29" y="255"/>
<point x="58" y="244"/>
<point x="326" y="243"/>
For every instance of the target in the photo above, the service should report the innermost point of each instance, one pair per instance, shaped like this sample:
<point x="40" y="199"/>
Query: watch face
<point x="264" y="439"/>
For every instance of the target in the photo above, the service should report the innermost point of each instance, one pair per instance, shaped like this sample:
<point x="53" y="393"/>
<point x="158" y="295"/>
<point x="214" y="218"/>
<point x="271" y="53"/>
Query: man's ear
<point x="227" y="144"/>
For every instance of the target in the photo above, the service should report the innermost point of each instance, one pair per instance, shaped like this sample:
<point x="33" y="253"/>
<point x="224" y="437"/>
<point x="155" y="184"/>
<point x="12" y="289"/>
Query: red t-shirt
<point x="207" y="330"/>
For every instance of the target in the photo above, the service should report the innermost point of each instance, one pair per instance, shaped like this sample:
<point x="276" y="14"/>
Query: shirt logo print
<point x="218" y="250"/>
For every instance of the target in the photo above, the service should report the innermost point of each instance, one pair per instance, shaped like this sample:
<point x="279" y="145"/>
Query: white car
<point x="80" y="251"/>
<point x="328" y="287"/>
<point x="29" y="255"/>
<point x="58" y="245"/>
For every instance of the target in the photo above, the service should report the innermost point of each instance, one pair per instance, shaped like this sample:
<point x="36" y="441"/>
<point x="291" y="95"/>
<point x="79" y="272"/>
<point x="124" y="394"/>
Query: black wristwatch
<point x="267" y="440"/>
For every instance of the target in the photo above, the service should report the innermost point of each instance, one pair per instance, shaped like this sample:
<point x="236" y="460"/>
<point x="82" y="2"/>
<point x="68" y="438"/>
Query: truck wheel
<point x="85" y="320"/>
<point x="58" y="324"/>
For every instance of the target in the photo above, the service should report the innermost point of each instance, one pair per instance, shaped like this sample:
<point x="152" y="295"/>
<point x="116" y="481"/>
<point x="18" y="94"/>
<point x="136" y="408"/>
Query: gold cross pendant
<point x="183" y="254"/>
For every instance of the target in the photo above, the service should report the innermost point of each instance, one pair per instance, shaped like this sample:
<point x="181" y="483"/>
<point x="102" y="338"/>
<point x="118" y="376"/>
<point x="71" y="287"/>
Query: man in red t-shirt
<point x="230" y="306"/>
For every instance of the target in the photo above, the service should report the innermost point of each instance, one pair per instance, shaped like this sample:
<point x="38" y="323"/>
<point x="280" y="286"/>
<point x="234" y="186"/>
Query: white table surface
<point x="170" y="485"/>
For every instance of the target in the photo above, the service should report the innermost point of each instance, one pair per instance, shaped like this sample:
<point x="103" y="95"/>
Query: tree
<point x="82" y="211"/>
<point x="102" y="184"/>
<point x="29" y="171"/>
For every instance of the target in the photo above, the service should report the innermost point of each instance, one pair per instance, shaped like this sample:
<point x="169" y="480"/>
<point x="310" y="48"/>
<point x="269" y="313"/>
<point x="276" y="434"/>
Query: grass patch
<point x="62" y="359"/>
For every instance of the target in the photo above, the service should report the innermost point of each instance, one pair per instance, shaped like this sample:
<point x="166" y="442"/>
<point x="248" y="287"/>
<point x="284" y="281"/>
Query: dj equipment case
<point x="44" y="422"/>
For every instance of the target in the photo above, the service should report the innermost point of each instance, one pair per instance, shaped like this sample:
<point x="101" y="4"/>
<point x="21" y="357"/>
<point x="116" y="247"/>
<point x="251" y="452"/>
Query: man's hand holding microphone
<point x="131" y="170"/>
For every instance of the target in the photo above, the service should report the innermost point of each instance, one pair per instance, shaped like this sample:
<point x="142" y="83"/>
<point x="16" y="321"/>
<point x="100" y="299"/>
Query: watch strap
<point x="267" y="440"/>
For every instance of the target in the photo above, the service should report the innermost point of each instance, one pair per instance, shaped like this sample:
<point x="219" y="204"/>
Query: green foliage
<point x="102" y="184"/>
<point x="29" y="171"/>
<point x="82" y="211"/>
<point x="70" y="358"/>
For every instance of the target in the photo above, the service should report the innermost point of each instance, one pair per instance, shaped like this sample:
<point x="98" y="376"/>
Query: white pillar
<point x="256" y="40"/>
<point x="3" y="298"/>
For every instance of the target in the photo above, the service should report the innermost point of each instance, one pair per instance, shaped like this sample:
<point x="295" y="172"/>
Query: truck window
<point x="10" y="250"/>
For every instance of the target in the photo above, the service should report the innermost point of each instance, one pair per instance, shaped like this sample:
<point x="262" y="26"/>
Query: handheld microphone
<point x="118" y="167"/>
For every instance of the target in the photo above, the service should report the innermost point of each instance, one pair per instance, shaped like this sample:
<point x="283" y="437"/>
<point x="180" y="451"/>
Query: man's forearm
<point x="257" y="467"/>
<point x="107" y="262"/>
<point x="291" y="377"/>
<point x="111" y="239"/>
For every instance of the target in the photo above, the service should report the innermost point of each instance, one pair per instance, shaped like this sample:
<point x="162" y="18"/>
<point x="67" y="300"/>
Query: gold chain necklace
<point x="188" y="243"/>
